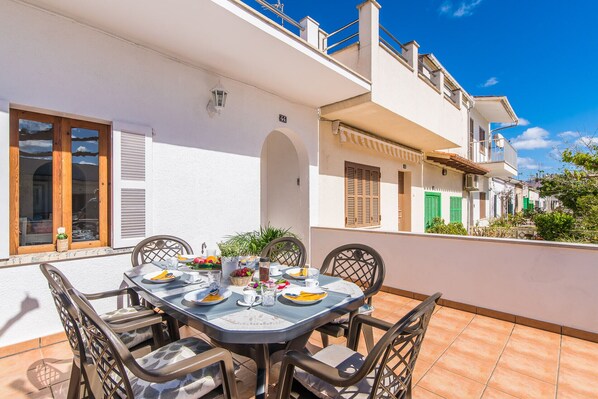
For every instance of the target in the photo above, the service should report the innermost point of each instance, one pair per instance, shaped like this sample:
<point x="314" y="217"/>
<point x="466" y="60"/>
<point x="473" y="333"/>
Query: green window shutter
<point x="525" y="203"/>
<point x="431" y="208"/>
<point x="456" y="210"/>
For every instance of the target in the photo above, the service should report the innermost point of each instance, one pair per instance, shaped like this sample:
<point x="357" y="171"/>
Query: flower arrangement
<point x="61" y="234"/>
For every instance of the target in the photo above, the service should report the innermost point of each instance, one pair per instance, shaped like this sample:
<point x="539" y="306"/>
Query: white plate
<point x="175" y="273"/>
<point x="193" y="295"/>
<point x="298" y="290"/>
<point x="296" y="270"/>
<point x="241" y="302"/>
<point x="276" y="274"/>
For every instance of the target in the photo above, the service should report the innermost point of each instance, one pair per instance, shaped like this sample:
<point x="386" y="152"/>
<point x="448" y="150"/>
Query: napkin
<point x="306" y="296"/>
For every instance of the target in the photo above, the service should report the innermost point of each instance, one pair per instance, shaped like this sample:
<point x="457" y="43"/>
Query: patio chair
<point x="186" y="368"/>
<point x="342" y="372"/>
<point x="288" y="251"/>
<point x="159" y="248"/>
<point x="134" y="326"/>
<point x="362" y="265"/>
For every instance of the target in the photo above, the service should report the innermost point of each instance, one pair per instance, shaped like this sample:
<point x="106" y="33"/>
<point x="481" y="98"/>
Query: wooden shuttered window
<point x="131" y="176"/>
<point x="456" y="210"/>
<point x="482" y="205"/>
<point x="362" y="195"/>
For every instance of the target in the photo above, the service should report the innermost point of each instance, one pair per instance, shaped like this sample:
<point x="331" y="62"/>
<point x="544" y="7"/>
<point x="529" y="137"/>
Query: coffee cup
<point x="250" y="297"/>
<point x="192" y="277"/>
<point x="274" y="270"/>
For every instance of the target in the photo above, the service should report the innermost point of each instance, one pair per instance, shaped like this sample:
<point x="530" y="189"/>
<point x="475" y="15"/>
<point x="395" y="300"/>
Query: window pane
<point x="35" y="182"/>
<point x="86" y="186"/>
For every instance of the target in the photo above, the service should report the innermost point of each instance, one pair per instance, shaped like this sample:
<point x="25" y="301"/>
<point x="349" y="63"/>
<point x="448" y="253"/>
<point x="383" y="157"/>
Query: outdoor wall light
<point x="444" y="172"/>
<point x="217" y="101"/>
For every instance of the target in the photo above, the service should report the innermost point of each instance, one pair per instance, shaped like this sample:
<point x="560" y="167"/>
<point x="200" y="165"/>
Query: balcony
<point x="496" y="155"/>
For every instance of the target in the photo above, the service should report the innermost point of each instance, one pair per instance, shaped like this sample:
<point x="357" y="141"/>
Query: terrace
<point x="464" y="355"/>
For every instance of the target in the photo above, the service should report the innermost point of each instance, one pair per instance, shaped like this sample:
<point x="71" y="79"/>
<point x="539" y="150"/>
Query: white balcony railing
<point x="498" y="149"/>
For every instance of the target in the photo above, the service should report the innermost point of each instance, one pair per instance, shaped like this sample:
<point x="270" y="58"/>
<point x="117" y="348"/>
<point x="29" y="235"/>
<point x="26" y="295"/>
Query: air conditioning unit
<point x="472" y="182"/>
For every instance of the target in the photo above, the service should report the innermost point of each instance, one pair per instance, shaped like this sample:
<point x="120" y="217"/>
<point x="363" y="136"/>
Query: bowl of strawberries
<point x="242" y="276"/>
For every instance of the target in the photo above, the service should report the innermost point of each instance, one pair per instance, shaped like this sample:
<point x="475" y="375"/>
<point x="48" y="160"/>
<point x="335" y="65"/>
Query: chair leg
<point x="368" y="335"/>
<point x="325" y="340"/>
<point x="74" y="391"/>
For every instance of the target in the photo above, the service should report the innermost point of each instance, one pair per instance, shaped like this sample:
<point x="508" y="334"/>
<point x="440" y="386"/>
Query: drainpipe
<point x="469" y="194"/>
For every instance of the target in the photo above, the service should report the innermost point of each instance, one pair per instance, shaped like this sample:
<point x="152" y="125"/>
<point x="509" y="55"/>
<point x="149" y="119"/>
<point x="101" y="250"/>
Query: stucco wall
<point x="449" y="185"/>
<point x="333" y="155"/>
<point x="551" y="282"/>
<point x="205" y="171"/>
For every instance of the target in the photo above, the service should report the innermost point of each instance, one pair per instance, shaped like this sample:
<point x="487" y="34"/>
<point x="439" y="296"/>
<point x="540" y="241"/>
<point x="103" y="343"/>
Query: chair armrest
<point x="120" y="318"/>
<point x="355" y="328"/>
<point x="315" y="367"/>
<point x="110" y="294"/>
<point x="135" y="324"/>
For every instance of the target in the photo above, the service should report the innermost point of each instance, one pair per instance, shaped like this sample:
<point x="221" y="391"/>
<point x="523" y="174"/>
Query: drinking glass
<point x="313" y="275"/>
<point x="214" y="278"/>
<point x="269" y="294"/>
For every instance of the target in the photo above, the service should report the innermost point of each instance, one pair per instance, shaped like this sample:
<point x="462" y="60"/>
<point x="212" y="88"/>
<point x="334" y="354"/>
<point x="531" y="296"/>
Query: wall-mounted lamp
<point x="444" y="172"/>
<point x="217" y="101"/>
<point x="404" y="166"/>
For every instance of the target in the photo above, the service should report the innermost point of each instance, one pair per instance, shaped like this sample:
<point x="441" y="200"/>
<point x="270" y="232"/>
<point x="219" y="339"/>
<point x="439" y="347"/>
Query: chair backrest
<point x="288" y="251"/>
<point x="158" y="248"/>
<point x="394" y="356"/>
<point x="358" y="263"/>
<point x="59" y="284"/>
<point x="108" y="352"/>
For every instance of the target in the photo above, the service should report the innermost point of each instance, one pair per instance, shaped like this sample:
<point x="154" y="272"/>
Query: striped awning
<point x="351" y="135"/>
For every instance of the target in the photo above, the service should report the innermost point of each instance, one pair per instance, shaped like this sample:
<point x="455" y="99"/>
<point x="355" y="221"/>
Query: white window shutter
<point x="131" y="184"/>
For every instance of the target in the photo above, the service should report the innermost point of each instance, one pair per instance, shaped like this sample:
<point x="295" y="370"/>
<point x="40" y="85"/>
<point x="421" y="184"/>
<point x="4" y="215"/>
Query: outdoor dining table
<point x="254" y="332"/>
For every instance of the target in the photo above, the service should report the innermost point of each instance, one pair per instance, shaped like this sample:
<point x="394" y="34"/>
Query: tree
<point x="576" y="188"/>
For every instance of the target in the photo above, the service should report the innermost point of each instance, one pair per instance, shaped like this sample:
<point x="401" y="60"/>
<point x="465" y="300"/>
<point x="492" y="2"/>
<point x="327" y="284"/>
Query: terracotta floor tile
<point x="421" y="368"/>
<point x="542" y="368"/>
<point x="484" y="349"/>
<point x="22" y="374"/>
<point x="450" y="385"/>
<point x="520" y="385"/>
<point x="441" y="336"/>
<point x="60" y="390"/>
<point x="540" y="349"/>
<point x="579" y="381"/>
<point x="491" y="393"/>
<point x="457" y="315"/>
<point x="535" y="335"/>
<point x="421" y="393"/>
<point x="45" y="393"/>
<point x="463" y="363"/>
<point x="58" y="359"/>
<point x="578" y="354"/>
<point x="430" y="352"/>
<point x="490" y="324"/>
<point x="567" y="393"/>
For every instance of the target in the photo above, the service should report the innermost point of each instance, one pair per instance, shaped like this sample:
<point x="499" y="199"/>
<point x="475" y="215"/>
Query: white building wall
<point x="206" y="171"/>
<point x="333" y="155"/>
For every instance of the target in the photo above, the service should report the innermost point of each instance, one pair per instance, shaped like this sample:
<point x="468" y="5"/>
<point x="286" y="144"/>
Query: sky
<point x="541" y="54"/>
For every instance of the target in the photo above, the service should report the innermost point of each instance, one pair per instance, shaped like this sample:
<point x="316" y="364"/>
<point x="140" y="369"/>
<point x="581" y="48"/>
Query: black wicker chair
<point x="341" y="372"/>
<point x="159" y="248"/>
<point x="288" y="251"/>
<point x="363" y="266"/>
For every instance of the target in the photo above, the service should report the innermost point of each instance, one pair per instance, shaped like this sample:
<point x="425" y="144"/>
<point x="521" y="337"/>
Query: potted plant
<point x="62" y="240"/>
<point x="229" y="252"/>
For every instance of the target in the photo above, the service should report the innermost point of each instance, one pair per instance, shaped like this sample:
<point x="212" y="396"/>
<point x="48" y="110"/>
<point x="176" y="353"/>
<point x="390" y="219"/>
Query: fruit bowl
<point x="241" y="277"/>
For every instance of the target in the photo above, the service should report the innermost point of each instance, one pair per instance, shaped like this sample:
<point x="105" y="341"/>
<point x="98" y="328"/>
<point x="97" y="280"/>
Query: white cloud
<point x="527" y="163"/>
<point x="463" y="9"/>
<point x="587" y="141"/>
<point x="569" y="134"/>
<point x="490" y="82"/>
<point x="81" y="148"/>
<point x="533" y="139"/>
<point x="86" y="163"/>
<point x="36" y="143"/>
<point x="522" y="122"/>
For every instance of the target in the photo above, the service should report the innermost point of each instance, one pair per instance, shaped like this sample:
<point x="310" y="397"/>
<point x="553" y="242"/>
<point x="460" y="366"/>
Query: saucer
<point x="276" y="274"/>
<point x="241" y="302"/>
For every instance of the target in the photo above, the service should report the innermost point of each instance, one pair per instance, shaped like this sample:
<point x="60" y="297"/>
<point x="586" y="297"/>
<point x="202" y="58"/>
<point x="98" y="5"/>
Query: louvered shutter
<point x="349" y="196"/>
<point x="131" y="184"/>
<point x="359" y="197"/>
<point x="375" y="178"/>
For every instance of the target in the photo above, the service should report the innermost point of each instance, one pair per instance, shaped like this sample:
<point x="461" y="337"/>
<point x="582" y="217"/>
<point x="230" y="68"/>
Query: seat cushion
<point x="134" y="337"/>
<point x="193" y="385"/>
<point x="344" y="359"/>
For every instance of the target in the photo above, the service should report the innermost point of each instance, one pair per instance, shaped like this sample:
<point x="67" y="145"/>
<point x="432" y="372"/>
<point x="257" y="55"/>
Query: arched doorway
<point x="285" y="183"/>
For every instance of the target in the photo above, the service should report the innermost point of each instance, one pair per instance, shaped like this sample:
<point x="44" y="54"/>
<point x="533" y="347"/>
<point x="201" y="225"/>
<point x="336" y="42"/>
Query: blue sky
<point x="542" y="54"/>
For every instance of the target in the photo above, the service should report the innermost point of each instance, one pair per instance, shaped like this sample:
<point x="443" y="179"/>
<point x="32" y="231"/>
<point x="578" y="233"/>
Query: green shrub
<point x="554" y="226"/>
<point x="253" y="242"/>
<point x="439" y="227"/>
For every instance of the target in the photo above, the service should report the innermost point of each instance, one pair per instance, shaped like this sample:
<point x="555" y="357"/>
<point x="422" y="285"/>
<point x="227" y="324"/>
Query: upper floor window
<point x="59" y="177"/>
<point x="362" y="195"/>
<point x="482" y="139"/>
